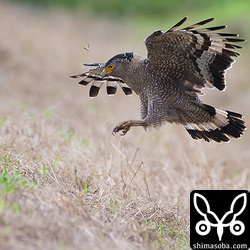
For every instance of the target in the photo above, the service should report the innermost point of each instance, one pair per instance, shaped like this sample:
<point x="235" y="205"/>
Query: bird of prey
<point x="179" y="64"/>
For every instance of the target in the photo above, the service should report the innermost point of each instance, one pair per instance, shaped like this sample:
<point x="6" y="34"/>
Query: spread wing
<point x="93" y="77"/>
<point x="195" y="58"/>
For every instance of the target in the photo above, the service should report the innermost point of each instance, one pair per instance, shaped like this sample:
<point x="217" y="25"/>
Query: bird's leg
<point x="126" y="125"/>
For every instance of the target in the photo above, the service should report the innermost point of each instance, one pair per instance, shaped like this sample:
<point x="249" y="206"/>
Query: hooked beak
<point x="103" y="73"/>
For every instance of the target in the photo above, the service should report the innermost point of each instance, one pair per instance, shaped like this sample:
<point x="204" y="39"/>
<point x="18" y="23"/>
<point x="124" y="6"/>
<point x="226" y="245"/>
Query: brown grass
<point x="83" y="187"/>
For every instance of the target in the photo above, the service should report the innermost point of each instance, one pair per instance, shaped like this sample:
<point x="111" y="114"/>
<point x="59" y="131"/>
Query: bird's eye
<point x="111" y="66"/>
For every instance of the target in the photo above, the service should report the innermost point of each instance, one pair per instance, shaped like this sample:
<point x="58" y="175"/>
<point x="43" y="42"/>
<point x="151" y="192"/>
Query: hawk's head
<point x="117" y="64"/>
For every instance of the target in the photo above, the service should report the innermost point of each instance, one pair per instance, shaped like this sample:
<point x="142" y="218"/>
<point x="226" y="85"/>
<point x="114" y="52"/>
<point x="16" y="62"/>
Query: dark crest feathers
<point x="125" y="56"/>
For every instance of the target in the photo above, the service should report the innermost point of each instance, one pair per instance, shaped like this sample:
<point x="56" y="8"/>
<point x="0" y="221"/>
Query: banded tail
<point x="223" y="124"/>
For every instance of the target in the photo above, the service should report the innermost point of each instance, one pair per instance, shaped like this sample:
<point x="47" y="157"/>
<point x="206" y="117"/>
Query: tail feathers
<point x="224" y="124"/>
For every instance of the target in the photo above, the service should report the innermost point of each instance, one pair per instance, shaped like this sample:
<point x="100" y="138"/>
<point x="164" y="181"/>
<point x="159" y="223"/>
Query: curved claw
<point x="124" y="132"/>
<point x="114" y="131"/>
<point x="123" y="126"/>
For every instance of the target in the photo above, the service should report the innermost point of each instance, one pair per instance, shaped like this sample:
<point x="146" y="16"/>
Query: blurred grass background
<point x="144" y="16"/>
<point x="89" y="189"/>
<point x="157" y="10"/>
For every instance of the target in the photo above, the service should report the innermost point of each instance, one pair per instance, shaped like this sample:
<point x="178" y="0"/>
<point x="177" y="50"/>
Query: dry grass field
<point x="66" y="182"/>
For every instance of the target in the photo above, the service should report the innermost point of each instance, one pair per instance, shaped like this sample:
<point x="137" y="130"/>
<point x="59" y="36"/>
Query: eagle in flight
<point x="179" y="64"/>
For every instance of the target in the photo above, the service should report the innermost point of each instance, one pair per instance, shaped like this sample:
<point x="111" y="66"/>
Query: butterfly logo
<point x="203" y="227"/>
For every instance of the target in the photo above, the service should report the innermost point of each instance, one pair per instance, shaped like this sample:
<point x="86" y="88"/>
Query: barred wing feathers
<point x="93" y="77"/>
<point x="197" y="58"/>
